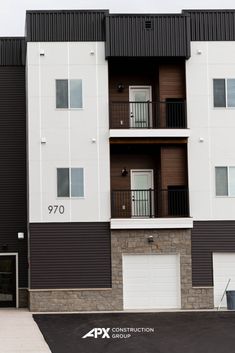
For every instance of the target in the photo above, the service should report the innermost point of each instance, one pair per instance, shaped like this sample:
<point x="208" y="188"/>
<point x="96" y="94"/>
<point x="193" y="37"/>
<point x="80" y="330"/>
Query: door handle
<point x="133" y="198"/>
<point x="132" y="115"/>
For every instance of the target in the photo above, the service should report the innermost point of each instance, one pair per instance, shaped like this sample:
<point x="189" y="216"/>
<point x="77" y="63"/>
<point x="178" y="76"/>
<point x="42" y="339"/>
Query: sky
<point x="12" y="12"/>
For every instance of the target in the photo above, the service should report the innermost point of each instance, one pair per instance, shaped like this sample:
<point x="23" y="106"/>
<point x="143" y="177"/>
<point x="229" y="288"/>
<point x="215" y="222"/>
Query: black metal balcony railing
<point x="150" y="203"/>
<point x="148" y="115"/>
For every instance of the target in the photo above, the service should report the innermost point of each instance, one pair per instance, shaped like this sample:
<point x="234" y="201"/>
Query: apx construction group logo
<point x="117" y="332"/>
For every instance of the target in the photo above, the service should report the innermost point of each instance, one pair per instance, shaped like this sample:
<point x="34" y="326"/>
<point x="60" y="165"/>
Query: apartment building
<point x="128" y="123"/>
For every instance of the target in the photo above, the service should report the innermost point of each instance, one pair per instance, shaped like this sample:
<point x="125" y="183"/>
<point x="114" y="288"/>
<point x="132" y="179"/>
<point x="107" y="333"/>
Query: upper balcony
<point x="147" y="98"/>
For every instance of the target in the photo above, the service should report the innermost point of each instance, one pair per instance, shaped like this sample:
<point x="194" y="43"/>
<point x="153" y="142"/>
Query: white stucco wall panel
<point x="211" y="141"/>
<point x="74" y="137"/>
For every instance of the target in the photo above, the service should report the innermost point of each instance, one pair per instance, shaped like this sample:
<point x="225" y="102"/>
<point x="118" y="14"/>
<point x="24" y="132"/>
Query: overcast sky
<point x="12" y="12"/>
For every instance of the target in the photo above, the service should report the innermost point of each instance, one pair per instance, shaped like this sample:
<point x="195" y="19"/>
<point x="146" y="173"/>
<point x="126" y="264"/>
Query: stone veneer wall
<point x="23" y="298"/>
<point x="129" y="241"/>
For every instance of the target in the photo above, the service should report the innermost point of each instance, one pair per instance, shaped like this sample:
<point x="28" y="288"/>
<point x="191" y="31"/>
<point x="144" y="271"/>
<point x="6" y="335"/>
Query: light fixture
<point x="20" y="235"/>
<point x="120" y="87"/>
<point x="150" y="239"/>
<point x="124" y="172"/>
<point x="42" y="52"/>
<point x="199" y="51"/>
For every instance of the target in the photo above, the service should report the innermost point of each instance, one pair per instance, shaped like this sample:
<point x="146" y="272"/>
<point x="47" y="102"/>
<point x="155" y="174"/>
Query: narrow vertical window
<point x="221" y="181"/>
<point x="231" y="181"/>
<point x="219" y="93"/>
<point x="231" y="92"/>
<point x="61" y="93"/>
<point x="77" y="182"/>
<point x="63" y="182"/>
<point x="75" y="93"/>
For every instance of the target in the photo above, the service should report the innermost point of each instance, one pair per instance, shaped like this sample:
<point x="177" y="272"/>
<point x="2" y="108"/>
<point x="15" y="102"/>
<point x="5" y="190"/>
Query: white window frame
<point x="228" y="180"/>
<point x="70" y="197"/>
<point x="226" y="90"/>
<point x="68" y="81"/>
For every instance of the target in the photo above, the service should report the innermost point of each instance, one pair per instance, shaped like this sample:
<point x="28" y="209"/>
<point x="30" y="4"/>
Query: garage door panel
<point x="223" y="270"/>
<point x="151" y="281"/>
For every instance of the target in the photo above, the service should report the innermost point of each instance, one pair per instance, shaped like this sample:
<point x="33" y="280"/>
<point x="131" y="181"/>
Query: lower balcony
<point x="150" y="203"/>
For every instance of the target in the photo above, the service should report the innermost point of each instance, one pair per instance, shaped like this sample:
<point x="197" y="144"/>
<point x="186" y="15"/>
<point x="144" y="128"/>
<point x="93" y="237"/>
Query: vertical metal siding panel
<point x="13" y="199"/>
<point x="209" y="237"/>
<point x="65" y="25"/>
<point x="212" y="25"/>
<point x="128" y="37"/>
<point x="12" y="51"/>
<point x="70" y="255"/>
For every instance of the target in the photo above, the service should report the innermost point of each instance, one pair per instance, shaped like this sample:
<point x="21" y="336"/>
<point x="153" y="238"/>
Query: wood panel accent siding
<point x="129" y="161"/>
<point x="173" y="166"/>
<point x="70" y="255"/>
<point x="171" y="81"/>
<point x="13" y="194"/>
<point x="131" y="73"/>
<point x="209" y="237"/>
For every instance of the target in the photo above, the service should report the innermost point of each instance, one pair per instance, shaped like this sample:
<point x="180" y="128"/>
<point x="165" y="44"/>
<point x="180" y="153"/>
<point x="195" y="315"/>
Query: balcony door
<point x="8" y="280"/>
<point x="140" y="106"/>
<point x="142" y="195"/>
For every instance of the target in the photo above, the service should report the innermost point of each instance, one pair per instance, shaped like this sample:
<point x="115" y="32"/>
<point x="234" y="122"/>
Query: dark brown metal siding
<point x="212" y="25"/>
<point x="13" y="210"/>
<point x="12" y="51"/>
<point x="65" y="26"/>
<point x="209" y="237"/>
<point x="126" y="35"/>
<point x="70" y="255"/>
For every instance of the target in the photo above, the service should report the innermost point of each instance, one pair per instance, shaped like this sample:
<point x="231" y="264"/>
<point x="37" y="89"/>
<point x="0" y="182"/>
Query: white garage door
<point x="223" y="269"/>
<point x="151" y="281"/>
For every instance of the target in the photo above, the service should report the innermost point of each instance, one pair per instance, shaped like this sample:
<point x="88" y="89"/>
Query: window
<point x="224" y="93"/>
<point x="69" y="94"/>
<point x="225" y="181"/>
<point x="70" y="182"/>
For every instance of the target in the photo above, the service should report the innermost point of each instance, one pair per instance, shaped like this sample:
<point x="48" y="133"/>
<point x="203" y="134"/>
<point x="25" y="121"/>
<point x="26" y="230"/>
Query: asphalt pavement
<point x="168" y="332"/>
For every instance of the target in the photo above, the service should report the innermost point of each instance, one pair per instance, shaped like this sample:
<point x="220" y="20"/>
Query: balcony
<point x="170" y="114"/>
<point x="173" y="202"/>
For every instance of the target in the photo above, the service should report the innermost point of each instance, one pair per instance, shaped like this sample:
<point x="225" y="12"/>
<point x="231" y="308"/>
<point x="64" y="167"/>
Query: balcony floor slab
<point x="151" y="223"/>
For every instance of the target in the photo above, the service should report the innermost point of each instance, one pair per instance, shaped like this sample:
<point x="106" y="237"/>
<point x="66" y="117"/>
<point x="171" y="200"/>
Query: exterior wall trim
<point x="153" y="223"/>
<point x="149" y="133"/>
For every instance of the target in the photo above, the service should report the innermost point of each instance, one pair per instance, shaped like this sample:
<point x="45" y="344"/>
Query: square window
<point x="224" y="92"/>
<point x="70" y="182"/>
<point x="69" y="94"/>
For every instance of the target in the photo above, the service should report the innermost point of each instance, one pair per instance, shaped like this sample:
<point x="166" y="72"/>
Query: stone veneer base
<point x="123" y="242"/>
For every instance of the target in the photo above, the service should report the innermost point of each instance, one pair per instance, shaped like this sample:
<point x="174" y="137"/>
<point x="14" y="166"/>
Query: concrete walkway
<point x="19" y="333"/>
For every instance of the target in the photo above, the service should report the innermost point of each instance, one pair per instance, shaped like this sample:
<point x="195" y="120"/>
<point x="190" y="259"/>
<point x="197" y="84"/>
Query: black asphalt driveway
<point x="181" y="332"/>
